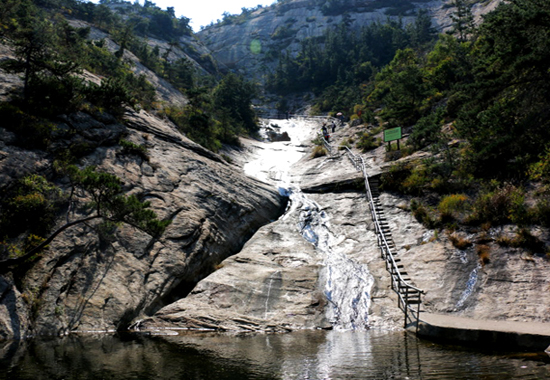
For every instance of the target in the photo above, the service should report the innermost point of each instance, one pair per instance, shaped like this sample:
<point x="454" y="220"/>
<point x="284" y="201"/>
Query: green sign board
<point x="392" y="134"/>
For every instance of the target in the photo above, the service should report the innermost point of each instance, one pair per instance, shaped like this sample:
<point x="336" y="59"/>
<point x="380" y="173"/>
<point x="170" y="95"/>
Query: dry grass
<point x="459" y="241"/>
<point x="482" y="251"/>
<point x="318" y="151"/>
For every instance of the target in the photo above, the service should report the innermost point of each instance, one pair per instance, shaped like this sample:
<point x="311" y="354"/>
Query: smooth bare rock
<point x="90" y="281"/>
<point x="271" y="285"/>
<point x="278" y="281"/>
<point x="507" y="287"/>
<point x="15" y="318"/>
<point x="281" y="280"/>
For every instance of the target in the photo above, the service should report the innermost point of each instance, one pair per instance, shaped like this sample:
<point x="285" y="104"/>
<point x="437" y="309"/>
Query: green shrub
<point x="524" y="239"/>
<point x="346" y="143"/>
<point x="394" y="177"/>
<point x="423" y="214"/>
<point x="30" y="206"/>
<point x="451" y="206"/>
<point x="427" y="130"/>
<point x="31" y="132"/>
<point x="48" y="96"/>
<point x="540" y="212"/>
<point x="368" y="142"/>
<point x="112" y="94"/>
<point x="499" y="204"/>
<point x="420" y="176"/>
<point x="129" y="147"/>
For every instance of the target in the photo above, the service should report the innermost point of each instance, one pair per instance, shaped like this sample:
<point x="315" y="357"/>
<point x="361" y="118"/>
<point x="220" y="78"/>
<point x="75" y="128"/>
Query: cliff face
<point x="306" y="270"/>
<point x="88" y="281"/>
<point x="248" y="44"/>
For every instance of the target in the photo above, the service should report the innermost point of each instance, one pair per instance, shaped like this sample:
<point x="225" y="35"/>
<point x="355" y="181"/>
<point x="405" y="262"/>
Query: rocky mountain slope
<point x="88" y="281"/>
<point x="250" y="43"/>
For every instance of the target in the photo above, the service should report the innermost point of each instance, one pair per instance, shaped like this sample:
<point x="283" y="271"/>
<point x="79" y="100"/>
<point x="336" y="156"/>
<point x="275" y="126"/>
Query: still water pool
<point x="301" y="355"/>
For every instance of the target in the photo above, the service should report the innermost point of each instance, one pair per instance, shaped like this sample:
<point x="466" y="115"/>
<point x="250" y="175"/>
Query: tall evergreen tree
<point x="463" y="20"/>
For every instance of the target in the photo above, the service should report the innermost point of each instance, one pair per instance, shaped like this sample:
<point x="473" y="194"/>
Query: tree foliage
<point x="36" y="201"/>
<point x="343" y="58"/>
<point x="463" y="20"/>
<point x="218" y="116"/>
<point x="506" y="118"/>
<point x="233" y="97"/>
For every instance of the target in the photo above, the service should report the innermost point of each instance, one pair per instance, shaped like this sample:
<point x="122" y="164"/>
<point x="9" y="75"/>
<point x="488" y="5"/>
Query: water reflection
<point x="301" y="355"/>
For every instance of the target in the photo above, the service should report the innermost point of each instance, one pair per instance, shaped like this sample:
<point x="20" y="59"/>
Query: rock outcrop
<point x="89" y="281"/>
<point x="504" y="283"/>
<point x="296" y="272"/>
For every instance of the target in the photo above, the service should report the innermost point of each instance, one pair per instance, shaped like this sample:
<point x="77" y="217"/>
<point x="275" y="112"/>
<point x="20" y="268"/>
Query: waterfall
<point x="347" y="284"/>
<point x="470" y="285"/>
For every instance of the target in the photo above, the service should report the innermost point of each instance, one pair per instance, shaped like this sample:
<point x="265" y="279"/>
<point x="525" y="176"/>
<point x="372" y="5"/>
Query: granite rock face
<point x="248" y="45"/>
<point x="316" y="267"/>
<point x="87" y="281"/>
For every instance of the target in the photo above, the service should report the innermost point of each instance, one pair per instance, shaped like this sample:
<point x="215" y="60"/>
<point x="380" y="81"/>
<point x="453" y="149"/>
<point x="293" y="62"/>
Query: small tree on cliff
<point x="463" y="20"/>
<point x="106" y="202"/>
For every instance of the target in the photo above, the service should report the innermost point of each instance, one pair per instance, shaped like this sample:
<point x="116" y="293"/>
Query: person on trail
<point x="324" y="129"/>
<point x="333" y="126"/>
<point x="340" y="117"/>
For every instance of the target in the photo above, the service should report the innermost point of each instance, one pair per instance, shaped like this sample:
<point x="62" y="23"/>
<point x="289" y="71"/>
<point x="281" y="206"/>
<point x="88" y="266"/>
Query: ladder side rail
<point x="397" y="281"/>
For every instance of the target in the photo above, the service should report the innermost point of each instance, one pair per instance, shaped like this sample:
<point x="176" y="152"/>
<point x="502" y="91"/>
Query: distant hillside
<point x="253" y="41"/>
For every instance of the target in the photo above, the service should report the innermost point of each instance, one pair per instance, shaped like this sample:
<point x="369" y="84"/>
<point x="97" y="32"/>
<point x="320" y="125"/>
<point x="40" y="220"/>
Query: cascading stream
<point x="347" y="284"/>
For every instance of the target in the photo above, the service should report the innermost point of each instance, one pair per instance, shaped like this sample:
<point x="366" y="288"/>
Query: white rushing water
<point x="347" y="284"/>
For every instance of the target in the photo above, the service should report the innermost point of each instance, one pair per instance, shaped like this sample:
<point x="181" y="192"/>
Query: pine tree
<point x="463" y="20"/>
<point x="107" y="204"/>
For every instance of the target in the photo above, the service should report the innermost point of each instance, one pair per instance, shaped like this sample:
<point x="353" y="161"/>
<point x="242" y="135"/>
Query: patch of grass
<point x="499" y="204"/>
<point x="318" y="151"/>
<point x="346" y="143"/>
<point x="452" y="206"/>
<point x="367" y="142"/>
<point x="423" y="214"/>
<point x="524" y="239"/>
<point x="459" y="241"/>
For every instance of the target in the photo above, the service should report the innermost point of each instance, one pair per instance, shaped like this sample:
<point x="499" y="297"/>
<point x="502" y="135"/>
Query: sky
<point x="202" y="12"/>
